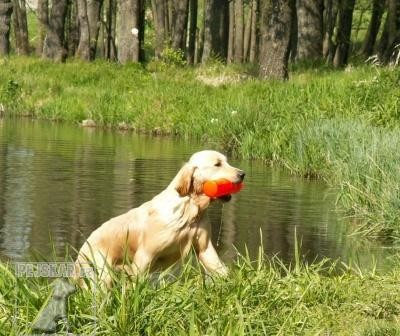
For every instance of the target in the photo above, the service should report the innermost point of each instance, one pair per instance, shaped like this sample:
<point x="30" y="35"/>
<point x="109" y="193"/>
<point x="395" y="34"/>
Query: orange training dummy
<point x="221" y="187"/>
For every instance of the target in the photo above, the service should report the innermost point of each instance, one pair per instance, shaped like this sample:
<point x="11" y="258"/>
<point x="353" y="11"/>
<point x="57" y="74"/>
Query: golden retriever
<point x="161" y="231"/>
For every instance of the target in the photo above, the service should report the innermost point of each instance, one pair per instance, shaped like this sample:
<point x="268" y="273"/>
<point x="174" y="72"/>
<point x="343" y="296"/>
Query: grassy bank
<point x="263" y="298"/>
<point x="340" y="126"/>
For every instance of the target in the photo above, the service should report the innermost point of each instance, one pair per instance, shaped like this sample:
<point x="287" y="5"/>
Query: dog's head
<point x="205" y="166"/>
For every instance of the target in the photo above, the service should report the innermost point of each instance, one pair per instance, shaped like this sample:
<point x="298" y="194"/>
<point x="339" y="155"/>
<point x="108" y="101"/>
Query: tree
<point x="20" y="25"/>
<point x="179" y="24"/>
<point x="110" y="24"/>
<point x="330" y="14"/>
<point x="346" y="8"/>
<point x="5" y="18"/>
<point x="83" y="51"/>
<point x="160" y="10"/>
<point x="53" y="47"/>
<point x="192" y="31"/>
<point x="373" y="27"/>
<point x="128" y="33"/>
<point x="215" y="29"/>
<point x="43" y="20"/>
<point x="238" y="32"/>
<point x="254" y="32"/>
<point x="392" y="25"/>
<point x="93" y="13"/>
<point x="310" y="32"/>
<point x="276" y="16"/>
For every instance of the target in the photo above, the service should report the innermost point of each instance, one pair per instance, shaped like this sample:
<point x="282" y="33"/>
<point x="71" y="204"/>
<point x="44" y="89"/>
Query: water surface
<point x="59" y="182"/>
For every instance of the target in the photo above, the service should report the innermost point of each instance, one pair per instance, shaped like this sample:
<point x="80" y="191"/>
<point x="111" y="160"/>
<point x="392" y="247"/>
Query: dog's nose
<point x="241" y="174"/>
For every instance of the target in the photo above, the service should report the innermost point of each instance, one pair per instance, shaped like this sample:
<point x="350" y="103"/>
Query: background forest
<point x="269" y="33"/>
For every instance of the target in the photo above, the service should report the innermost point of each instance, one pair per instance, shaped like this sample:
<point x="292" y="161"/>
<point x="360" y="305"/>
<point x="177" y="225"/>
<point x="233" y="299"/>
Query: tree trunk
<point x="231" y="32"/>
<point x="53" y="47"/>
<point x="179" y="24"/>
<point x="93" y="15"/>
<point x="215" y="29"/>
<point x="276" y="19"/>
<point x="20" y="26"/>
<point x="373" y="28"/>
<point x="310" y="29"/>
<point x="238" y="39"/>
<point x="111" y="49"/>
<point x="142" y="26"/>
<point x="128" y="39"/>
<point x="254" y="31"/>
<point x="247" y="34"/>
<point x="159" y="11"/>
<point x="72" y="29"/>
<point x="83" y="51"/>
<point x="5" y="20"/>
<point x="344" y="33"/>
<point x="43" y="20"/>
<point x="192" y="31"/>
<point x="293" y="33"/>
<point x="393" y="31"/>
<point x="328" y="48"/>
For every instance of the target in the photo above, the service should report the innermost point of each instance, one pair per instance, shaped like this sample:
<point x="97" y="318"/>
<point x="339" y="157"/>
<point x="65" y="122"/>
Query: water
<point x="59" y="182"/>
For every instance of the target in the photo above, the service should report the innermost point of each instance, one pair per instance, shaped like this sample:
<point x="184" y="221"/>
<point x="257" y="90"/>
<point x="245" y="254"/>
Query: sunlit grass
<point x="341" y="126"/>
<point x="258" y="298"/>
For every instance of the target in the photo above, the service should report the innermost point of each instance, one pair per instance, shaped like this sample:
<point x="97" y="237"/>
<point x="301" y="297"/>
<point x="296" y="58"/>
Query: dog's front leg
<point x="210" y="260"/>
<point x="141" y="262"/>
<point x="206" y="251"/>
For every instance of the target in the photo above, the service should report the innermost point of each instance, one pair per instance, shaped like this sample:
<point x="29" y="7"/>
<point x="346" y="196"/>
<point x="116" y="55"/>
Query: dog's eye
<point x="218" y="164"/>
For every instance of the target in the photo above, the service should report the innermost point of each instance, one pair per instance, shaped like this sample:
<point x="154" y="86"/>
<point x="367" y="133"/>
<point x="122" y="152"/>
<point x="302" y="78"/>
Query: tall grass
<point x="260" y="298"/>
<point x="339" y="126"/>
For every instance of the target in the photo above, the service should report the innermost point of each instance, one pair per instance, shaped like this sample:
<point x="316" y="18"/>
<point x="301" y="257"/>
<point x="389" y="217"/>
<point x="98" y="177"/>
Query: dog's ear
<point x="184" y="180"/>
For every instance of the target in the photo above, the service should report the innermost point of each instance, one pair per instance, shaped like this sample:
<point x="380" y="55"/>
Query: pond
<point x="58" y="182"/>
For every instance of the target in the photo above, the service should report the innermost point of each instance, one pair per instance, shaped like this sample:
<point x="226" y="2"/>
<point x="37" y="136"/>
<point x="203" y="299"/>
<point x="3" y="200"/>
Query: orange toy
<point x="221" y="187"/>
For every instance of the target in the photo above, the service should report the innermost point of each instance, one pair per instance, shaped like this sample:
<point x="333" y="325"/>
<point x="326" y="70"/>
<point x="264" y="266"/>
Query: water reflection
<point x="59" y="182"/>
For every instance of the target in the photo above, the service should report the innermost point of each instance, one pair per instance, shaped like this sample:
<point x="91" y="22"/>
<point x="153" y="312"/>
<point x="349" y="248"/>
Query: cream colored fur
<point x="162" y="231"/>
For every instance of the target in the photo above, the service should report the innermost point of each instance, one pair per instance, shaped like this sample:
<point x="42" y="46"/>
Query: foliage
<point x="260" y="298"/>
<point x="339" y="126"/>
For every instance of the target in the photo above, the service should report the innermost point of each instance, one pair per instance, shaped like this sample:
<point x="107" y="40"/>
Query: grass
<point x="341" y="126"/>
<point x="258" y="298"/>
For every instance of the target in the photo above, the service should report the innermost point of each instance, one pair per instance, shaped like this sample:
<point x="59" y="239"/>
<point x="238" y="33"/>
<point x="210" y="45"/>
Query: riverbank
<point x="341" y="126"/>
<point x="263" y="298"/>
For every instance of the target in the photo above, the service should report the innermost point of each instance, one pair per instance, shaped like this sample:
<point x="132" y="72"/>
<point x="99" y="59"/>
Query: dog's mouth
<point x="225" y="198"/>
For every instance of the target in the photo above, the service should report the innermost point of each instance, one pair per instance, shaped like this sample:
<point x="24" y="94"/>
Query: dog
<point x="162" y="231"/>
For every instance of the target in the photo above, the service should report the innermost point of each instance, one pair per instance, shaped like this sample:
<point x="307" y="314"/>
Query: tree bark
<point x="215" y="29"/>
<point x="53" y="47"/>
<point x="276" y="19"/>
<point x="310" y="29"/>
<point x="373" y="28"/>
<point x="111" y="49"/>
<point x="247" y="34"/>
<point x="20" y="26"/>
<point x="231" y="32"/>
<point x="179" y="24"/>
<point x="192" y="31"/>
<point x="254" y="31"/>
<point x="128" y="40"/>
<point x="72" y="29"/>
<point x="238" y="39"/>
<point x="328" y="48"/>
<point x="83" y="51"/>
<point x="393" y="31"/>
<point x="43" y="20"/>
<point x="344" y="33"/>
<point x="159" y="8"/>
<point x="93" y="14"/>
<point x="5" y="20"/>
